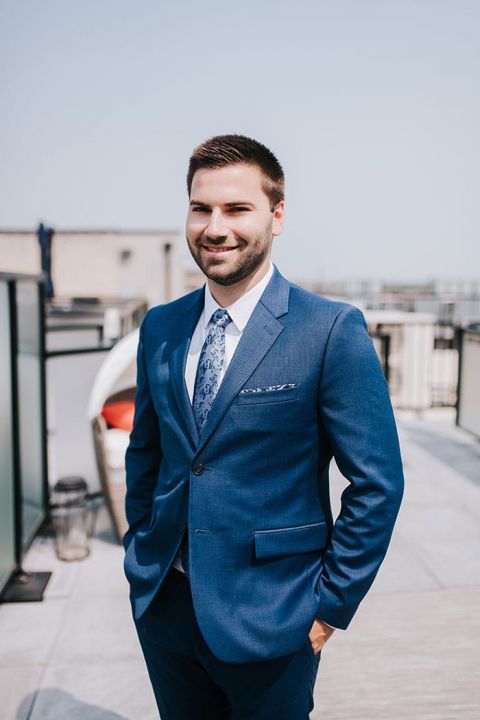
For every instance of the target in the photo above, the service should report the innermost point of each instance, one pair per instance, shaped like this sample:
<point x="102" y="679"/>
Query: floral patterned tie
<point x="206" y="384"/>
<point x="209" y="367"/>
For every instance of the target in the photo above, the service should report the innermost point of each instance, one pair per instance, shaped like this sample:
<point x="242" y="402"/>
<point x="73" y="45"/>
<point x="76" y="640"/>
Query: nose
<point x="216" y="228"/>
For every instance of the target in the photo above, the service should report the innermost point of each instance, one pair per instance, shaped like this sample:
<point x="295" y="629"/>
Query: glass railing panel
<point x="7" y="529"/>
<point x="31" y="422"/>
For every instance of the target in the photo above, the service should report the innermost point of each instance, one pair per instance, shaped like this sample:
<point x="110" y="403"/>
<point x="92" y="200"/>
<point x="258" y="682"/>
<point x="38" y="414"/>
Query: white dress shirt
<point x="240" y="312"/>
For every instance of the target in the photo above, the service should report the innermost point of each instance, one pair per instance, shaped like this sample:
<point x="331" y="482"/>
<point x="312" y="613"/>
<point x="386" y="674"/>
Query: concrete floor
<point x="412" y="650"/>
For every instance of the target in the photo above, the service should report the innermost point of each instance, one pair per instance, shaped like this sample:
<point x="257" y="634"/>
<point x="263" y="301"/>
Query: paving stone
<point x="18" y="686"/>
<point x="96" y="691"/>
<point x="96" y="629"/>
<point x="28" y="632"/>
<point x="405" y="655"/>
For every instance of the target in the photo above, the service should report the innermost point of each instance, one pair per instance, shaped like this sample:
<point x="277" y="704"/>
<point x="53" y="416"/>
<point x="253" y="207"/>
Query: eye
<point x="239" y="209"/>
<point x="199" y="209"/>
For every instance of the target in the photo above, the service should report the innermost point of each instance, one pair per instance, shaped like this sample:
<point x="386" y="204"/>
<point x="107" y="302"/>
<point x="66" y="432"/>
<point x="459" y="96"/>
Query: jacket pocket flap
<point x="286" y="541"/>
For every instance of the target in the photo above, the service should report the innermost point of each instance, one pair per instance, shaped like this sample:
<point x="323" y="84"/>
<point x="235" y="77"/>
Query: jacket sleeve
<point x="357" y="416"/>
<point x="144" y="454"/>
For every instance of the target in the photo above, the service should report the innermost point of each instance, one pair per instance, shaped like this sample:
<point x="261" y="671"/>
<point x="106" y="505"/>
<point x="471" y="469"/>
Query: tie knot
<point x="221" y="317"/>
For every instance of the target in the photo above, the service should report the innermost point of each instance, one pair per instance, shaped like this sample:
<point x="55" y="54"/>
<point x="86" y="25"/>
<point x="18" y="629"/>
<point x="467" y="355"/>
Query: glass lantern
<point x="73" y="518"/>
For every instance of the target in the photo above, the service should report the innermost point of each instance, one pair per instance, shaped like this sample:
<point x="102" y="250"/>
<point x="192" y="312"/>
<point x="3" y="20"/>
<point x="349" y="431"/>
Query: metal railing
<point x="429" y="364"/>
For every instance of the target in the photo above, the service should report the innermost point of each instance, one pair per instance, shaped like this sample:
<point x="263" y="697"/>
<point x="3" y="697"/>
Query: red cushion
<point x="119" y="414"/>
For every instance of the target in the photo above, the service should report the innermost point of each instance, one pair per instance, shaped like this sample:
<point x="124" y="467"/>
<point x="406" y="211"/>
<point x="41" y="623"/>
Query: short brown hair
<point x="224" y="150"/>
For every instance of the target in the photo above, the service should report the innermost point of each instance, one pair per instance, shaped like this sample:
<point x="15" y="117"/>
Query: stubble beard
<point x="248" y="262"/>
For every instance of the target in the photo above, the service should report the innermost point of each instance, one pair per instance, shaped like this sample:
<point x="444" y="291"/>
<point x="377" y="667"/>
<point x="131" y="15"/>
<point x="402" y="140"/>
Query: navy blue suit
<point x="252" y="491"/>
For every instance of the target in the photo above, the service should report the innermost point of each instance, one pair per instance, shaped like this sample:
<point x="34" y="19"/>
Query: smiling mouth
<point x="215" y="250"/>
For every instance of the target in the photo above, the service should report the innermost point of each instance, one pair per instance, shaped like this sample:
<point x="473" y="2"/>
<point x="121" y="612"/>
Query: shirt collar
<point x="242" y="308"/>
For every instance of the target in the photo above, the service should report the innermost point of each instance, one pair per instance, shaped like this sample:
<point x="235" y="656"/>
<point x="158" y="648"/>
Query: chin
<point x="228" y="279"/>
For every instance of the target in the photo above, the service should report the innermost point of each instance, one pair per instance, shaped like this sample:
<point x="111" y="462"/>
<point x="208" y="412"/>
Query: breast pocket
<point x="266" y="409"/>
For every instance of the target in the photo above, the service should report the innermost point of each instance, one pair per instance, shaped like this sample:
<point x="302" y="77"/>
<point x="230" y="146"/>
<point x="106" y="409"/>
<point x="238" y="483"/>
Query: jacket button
<point x="198" y="468"/>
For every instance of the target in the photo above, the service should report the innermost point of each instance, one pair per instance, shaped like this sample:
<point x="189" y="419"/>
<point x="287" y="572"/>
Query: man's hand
<point x="319" y="634"/>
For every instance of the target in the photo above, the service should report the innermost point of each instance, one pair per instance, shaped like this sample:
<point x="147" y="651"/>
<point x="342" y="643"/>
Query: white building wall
<point x="136" y="264"/>
<point x="19" y="252"/>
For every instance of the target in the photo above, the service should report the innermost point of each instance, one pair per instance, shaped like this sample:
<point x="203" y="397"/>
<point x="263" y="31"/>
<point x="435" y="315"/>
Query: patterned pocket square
<point x="268" y="388"/>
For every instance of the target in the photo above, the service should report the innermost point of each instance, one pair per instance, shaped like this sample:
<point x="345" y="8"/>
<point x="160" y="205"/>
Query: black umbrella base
<point x="25" y="587"/>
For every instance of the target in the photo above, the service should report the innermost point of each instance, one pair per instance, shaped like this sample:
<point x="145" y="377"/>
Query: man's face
<point x="230" y="224"/>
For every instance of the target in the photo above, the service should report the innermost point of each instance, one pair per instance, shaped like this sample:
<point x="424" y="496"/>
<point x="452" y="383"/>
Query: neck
<point x="226" y="295"/>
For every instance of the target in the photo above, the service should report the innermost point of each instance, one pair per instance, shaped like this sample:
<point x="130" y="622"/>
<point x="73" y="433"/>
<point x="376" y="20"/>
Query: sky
<point x="371" y="106"/>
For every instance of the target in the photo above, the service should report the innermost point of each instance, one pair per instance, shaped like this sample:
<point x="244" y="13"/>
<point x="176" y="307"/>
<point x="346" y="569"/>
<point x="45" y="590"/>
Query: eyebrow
<point x="229" y="204"/>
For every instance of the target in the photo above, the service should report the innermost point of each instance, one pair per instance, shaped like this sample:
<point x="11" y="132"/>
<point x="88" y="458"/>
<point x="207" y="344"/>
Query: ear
<point x="278" y="215"/>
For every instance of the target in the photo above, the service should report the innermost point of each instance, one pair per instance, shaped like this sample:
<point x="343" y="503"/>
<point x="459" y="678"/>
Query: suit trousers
<point x="190" y="683"/>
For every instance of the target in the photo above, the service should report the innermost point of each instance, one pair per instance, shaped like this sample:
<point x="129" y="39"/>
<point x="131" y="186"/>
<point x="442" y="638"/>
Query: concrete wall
<point x="135" y="264"/>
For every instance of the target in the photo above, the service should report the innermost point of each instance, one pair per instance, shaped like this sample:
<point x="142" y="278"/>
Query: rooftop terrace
<point x="412" y="650"/>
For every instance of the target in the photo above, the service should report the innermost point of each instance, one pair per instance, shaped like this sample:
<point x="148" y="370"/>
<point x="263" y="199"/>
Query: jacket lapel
<point x="259" y="334"/>
<point x="178" y="360"/>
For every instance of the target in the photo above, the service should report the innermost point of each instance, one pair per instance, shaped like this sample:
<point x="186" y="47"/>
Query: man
<point x="246" y="389"/>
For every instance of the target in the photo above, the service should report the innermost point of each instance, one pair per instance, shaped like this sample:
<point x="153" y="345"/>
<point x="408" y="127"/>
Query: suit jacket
<point x="304" y="385"/>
